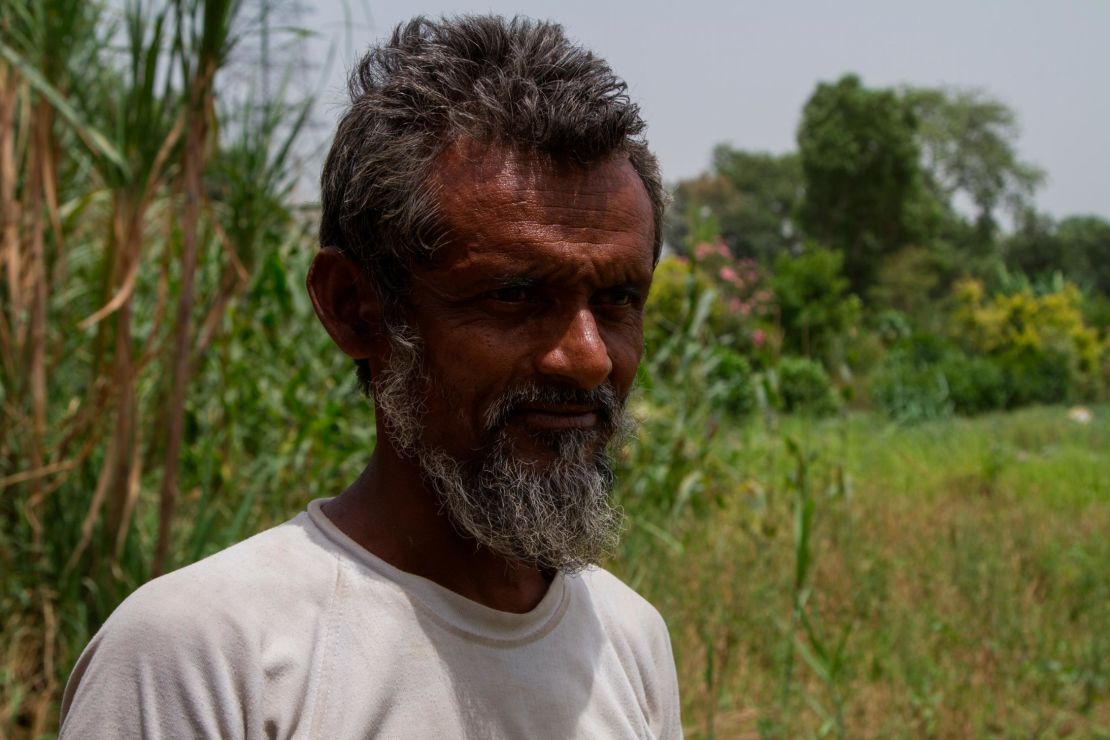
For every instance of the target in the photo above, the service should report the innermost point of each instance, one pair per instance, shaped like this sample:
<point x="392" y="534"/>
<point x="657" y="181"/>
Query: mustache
<point x="604" y="398"/>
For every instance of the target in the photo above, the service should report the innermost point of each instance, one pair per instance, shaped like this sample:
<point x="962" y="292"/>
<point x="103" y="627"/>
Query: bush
<point x="675" y="291"/>
<point x="909" y="390"/>
<point x="1037" y="376"/>
<point x="1046" y="350"/>
<point x="804" y="388"/>
<point x="893" y="326"/>
<point x="815" y="307"/>
<point x="975" y="384"/>
<point x="731" y="382"/>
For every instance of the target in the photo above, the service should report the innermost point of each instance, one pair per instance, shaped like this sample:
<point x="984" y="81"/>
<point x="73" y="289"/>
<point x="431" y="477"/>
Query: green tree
<point x="859" y="157"/>
<point x="1086" y="242"/>
<point x="815" y="306"/>
<point x="1078" y="247"/>
<point x="754" y="198"/>
<point x="770" y="189"/>
<point x="968" y="148"/>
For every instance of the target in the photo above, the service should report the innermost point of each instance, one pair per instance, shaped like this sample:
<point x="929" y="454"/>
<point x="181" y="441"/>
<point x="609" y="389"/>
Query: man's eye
<point x="514" y="294"/>
<point x="617" y="297"/>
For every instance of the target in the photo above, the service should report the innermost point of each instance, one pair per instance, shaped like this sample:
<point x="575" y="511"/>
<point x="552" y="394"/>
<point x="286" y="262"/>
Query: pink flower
<point x="729" y="275"/>
<point x="734" y="305"/>
<point x="703" y="250"/>
<point x="745" y="309"/>
<point x="758" y="338"/>
<point x="722" y="249"/>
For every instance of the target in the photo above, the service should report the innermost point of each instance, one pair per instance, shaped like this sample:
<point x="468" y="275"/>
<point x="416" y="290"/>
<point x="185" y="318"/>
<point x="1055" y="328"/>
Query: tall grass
<point x="134" y="207"/>
<point x="860" y="579"/>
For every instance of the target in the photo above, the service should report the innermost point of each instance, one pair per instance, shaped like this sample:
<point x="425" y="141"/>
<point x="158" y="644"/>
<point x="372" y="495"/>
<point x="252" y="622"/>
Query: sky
<point x="706" y="72"/>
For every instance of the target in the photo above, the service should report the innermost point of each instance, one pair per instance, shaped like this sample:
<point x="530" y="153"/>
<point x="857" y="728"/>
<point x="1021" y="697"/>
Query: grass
<point x="958" y="582"/>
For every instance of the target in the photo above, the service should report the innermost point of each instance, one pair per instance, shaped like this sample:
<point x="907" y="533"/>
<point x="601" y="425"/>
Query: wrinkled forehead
<point x="490" y="191"/>
<point x="478" y="162"/>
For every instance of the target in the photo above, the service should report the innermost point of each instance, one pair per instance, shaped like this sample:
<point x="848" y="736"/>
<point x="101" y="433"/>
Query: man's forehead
<point x="486" y="166"/>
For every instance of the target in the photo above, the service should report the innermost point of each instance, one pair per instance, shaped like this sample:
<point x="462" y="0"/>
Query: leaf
<point x="94" y="140"/>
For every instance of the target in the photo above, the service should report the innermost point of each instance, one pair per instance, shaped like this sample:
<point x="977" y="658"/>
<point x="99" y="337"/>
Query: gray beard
<point x="555" y="517"/>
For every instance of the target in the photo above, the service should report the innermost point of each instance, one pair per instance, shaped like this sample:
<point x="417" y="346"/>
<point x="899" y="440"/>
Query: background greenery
<point x="858" y="496"/>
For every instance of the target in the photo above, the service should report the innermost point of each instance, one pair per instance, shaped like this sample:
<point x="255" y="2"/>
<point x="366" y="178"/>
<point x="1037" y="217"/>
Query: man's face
<point x="528" y="332"/>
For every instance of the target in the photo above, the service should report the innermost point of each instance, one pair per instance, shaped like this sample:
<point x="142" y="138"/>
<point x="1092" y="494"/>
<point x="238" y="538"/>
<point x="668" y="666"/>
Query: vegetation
<point x="858" y="578"/>
<point x="837" y="546"/>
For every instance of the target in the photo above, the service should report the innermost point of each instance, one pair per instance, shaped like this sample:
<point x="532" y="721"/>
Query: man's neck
<point x="390" y="511"/>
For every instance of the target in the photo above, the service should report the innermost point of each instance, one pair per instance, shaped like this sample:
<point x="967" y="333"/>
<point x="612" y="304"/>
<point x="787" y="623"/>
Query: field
<point x="943" y="580"/>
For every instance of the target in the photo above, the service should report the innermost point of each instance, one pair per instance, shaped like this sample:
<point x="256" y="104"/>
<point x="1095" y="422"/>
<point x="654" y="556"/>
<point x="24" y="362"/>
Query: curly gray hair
<point x="516" y="82"/>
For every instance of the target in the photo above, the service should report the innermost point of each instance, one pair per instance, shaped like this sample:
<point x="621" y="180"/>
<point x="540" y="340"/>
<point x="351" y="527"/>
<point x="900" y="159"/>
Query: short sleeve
<point x="161" y="668"/>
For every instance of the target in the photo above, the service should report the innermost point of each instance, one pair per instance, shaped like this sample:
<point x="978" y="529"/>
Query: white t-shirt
<point x="300" y="632"/>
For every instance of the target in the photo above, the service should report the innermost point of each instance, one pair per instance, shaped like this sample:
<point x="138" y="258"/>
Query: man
<point x="491" y="220"/>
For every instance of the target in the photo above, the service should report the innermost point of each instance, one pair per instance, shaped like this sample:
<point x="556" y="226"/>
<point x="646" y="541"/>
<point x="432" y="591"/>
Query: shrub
<point x="1037" y="376"/>
<point x="731" y="382"/>
<point x="746" y="300"/>
<point x="909" y="389"/>
<point x="975" y="384"/>
<point x="1041" y="341"/>
<point x="804" y="388"/>
<point x="675" y="291"/>
<point x="815" y="306"/>
<point x="893" y="326"/>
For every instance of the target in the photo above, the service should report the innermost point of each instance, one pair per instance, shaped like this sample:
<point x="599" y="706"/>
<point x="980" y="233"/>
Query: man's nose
<point x="578" y="354"/>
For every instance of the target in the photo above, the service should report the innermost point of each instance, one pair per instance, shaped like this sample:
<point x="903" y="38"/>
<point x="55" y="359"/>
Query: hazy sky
<point x="707" y="72"/>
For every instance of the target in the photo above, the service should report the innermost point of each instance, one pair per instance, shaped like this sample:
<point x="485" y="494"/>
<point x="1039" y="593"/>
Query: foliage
<point x="910" y="387"/>
<point x="803" y="387"/>
<point x="139" y="207"/>
<point x="674" y="291"/>
<point x="1041" y="340"/>
<point x="752" y="195"/>
<point x="951" y="576"/>
<point x="815" y="307"/>
<point x="892" y="326"/>
<point x="913" y="281"/>
<point x="744" y="292"/>
<point x="859" y="157"/>
<point x="975" y="384"/>
<point x="967" y="143"/>
<point x="731" y="378"/>
<point x="1077" y="247"/>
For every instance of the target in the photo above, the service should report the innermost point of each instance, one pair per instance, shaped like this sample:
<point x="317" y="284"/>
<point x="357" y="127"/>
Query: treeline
<point x="897" y="255"/>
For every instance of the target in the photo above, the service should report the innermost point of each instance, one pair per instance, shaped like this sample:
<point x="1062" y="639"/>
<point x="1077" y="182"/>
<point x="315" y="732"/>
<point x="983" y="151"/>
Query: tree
<point x="815" y="307"/>
<point x="967" y="143"/>
<point x="753" y="197"/>
<point x="770" y="190"/>
<point x="1078" y="247"/>
<point x="859" y="158"/>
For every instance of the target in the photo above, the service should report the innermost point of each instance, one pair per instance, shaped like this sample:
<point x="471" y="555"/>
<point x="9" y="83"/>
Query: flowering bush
<point x="1041" y="341"/>
<point x="747" y="301"/>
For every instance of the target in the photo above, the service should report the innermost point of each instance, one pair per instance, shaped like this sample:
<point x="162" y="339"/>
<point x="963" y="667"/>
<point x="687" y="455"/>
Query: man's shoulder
<point x="621" y="607"/>
<point x="236" y="587"/>
<point x="187" y="647"/>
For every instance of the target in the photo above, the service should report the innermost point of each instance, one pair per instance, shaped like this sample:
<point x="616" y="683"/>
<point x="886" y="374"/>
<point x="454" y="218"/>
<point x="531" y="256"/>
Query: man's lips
<point x="556" y="417"/>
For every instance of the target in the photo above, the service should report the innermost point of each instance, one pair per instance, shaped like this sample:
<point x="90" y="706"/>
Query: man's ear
<point x="346" y="303"/>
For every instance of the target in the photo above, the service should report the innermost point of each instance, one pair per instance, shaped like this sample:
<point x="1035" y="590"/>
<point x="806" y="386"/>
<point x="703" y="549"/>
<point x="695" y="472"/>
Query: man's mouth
<point x="556" y="417"/>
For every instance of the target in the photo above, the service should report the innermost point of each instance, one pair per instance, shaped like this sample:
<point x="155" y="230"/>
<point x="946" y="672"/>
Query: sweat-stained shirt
<point x="300" y="632"/>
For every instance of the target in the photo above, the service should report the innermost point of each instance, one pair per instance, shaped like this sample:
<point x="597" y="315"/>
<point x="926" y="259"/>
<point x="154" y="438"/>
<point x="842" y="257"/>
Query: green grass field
<point x="950" y="579"/>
